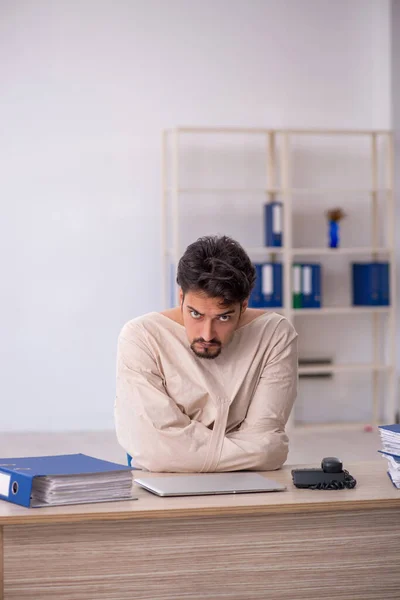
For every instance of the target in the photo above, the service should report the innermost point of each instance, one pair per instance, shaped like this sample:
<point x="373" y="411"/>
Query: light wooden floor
<point x="306" y="446"/>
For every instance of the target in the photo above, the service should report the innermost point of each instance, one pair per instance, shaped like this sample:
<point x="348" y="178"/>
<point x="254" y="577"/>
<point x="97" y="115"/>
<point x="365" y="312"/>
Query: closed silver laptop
<point x="199" y="484"/>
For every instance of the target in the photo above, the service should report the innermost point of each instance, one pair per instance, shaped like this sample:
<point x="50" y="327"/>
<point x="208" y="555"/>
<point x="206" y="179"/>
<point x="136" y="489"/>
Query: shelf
<point x="331" y="425"/>
<point x="276" y="178"/>
<point x="280" y="191"/>
<point x="266" y="250"/>
<point x="311" y="370"/>
<point x="339" y="310"/>
<point x="225" y="191"/>
<point x="197" y="129"/>
<point x="321" y="191"/>
<point x="330" y="310"/>
<point x="336" y="251"/>
<point x="319" y="251"/>
<point x="260" y="250"/>
<point x="264" y="130"/>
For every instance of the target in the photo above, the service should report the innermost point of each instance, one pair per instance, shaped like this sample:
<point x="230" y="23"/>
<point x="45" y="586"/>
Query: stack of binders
<point x="63" y="479"/>
<point x="267" y="292"/>
<point x="370" y="284"/>
<point x="306" y="285"/>
<point x="390" y="440"/>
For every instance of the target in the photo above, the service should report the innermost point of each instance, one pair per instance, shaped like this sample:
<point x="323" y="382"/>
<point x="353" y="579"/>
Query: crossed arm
<point x="153" y="429"/>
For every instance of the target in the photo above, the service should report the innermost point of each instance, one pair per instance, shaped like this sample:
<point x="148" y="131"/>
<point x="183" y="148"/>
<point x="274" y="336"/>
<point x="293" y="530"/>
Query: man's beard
<point x="208" y="353"/>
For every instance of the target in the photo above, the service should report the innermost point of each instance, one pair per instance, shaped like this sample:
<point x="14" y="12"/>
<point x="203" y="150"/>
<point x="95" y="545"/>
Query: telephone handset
<point x="330" y="476"/>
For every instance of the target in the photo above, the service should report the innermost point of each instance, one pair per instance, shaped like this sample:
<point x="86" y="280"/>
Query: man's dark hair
<point x="219" y="267"/>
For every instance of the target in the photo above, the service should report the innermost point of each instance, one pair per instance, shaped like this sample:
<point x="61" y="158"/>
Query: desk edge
<point x="35" y="517"/>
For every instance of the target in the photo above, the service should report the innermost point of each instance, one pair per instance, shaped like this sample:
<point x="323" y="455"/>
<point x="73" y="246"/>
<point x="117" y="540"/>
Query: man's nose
<point x="207" y="332"/>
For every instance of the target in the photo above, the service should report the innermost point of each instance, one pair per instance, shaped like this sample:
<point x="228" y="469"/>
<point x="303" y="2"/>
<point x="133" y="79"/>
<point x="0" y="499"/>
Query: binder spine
<point x="374" y="271"/>
<point x="311" y="285"/>
<point x="267" y="292"/>
<point x="370" y="284"/>
<point x="384" y="284"/>
<point x="317" y="292"/>
<point x="255" y="300"/>
<point x="306" y="286"/>
<point x="278" y="287"/>
<point x="267" y="284"/>
<point x="271" y="287"/>
<point x="15" y="487"/>
<point x="297" y="296"/>
<point x="273" y="224"/>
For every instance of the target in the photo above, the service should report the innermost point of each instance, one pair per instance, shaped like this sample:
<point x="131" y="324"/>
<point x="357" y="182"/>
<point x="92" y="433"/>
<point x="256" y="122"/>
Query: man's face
<point x="209" y="325"/>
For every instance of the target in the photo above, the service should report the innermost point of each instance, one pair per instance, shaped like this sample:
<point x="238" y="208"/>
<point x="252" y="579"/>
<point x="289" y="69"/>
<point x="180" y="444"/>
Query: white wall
<point x="395" y="81"/>
<point x="85" y="89"/>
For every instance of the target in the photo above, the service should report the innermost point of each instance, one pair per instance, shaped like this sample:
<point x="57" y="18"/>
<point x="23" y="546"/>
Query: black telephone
<point x="330" y="476"/>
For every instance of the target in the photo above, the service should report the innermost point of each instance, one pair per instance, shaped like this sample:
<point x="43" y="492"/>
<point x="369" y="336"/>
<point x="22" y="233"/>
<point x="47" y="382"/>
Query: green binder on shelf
<point x="297" y="297"/>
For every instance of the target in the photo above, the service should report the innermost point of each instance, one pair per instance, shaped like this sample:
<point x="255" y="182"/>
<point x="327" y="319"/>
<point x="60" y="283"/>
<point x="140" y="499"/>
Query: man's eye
<point x="195" y="314"/>
<point x="224" y="318"/>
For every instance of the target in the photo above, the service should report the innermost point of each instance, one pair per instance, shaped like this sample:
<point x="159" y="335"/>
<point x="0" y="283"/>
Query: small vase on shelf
<point x="333" y="234"/>
<point x="334" y="217"/>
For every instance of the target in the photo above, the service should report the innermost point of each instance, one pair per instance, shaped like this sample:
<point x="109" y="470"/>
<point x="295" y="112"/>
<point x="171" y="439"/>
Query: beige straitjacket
<point x="176" y="412"/>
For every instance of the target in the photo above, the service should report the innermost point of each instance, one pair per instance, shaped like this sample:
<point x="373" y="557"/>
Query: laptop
<point x="200" y="484"/>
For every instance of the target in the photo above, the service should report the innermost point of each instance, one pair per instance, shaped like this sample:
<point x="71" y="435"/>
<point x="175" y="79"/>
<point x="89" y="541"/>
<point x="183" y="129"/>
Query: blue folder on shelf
<point x="267" y="292"/>
<point x="63" y="479"/>
<point x="273" y="224"/>
<point x="370" y="284"/>
<point x="311" y="285"/>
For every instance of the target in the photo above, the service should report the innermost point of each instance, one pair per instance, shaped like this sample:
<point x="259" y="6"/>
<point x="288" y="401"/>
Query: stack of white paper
<point x="390" y="439"/>
<point x="79" y="489"/>
<point x="393" y="469"/>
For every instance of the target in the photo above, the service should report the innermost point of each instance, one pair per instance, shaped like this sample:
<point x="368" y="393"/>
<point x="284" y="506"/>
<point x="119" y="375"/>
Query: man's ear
<point x="245" y="304"/>
<point x="181" y="297"/>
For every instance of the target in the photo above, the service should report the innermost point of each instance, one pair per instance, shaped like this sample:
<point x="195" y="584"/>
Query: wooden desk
<point x="298" y="544"/>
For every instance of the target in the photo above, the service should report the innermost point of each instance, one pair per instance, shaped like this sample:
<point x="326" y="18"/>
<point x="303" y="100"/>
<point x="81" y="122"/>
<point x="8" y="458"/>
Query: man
<point x="209" y="385"/>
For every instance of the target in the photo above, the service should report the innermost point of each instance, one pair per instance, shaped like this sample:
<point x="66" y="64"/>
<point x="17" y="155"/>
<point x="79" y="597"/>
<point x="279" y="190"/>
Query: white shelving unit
<point x="279" y="163"/>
